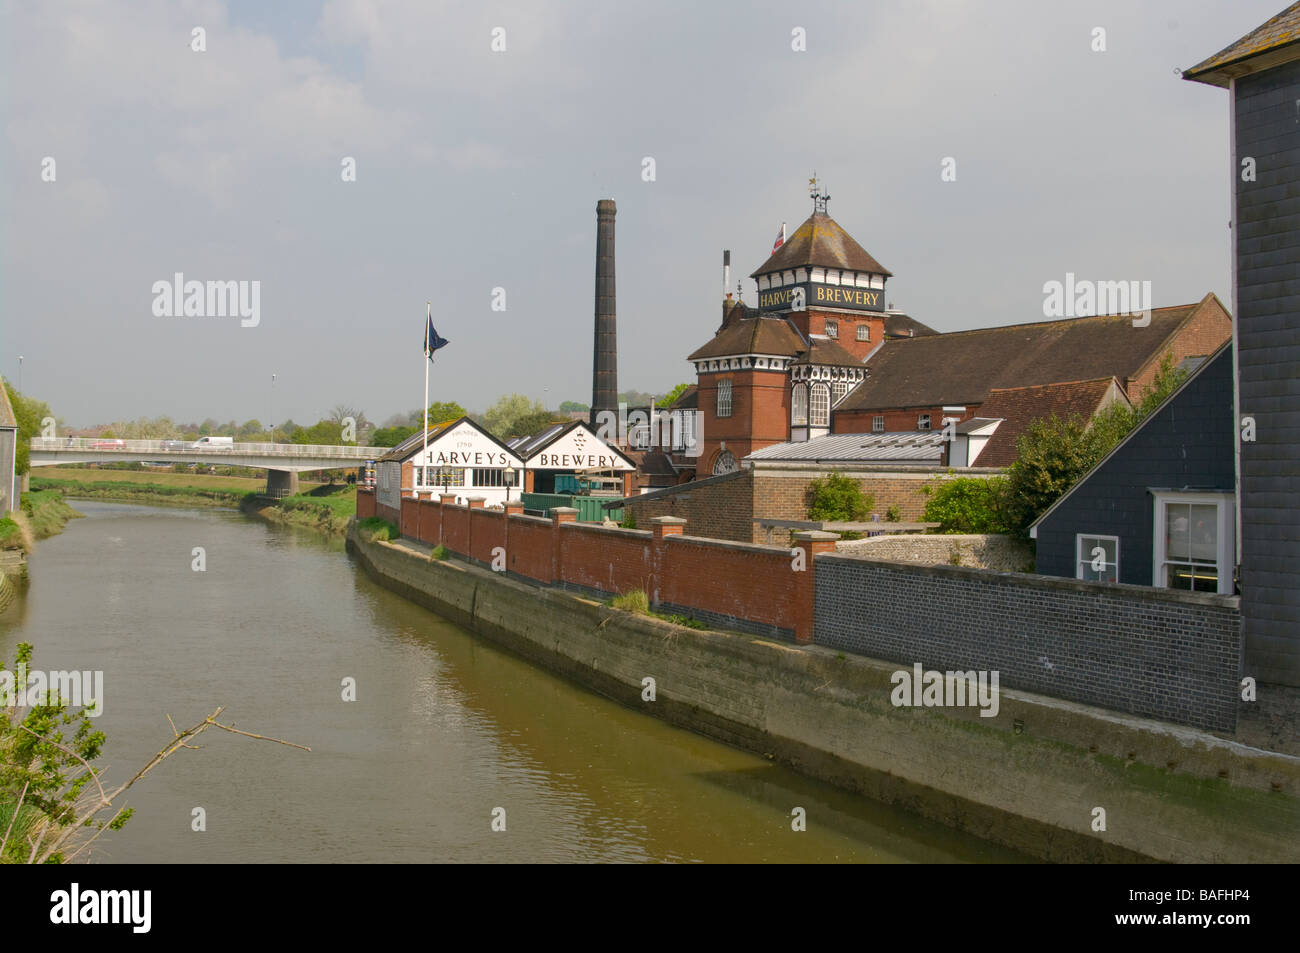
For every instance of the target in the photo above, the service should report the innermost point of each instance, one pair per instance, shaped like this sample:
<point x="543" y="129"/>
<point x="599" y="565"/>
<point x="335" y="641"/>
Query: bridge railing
<point x="165" y="447"/>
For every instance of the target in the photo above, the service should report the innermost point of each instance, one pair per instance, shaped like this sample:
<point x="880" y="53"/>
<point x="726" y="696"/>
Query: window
<point x="724" y="398"/>
<point x="486" y="477"/>
<point x="725" y="462"/>
<point x="878" y="424"/>
<point x="832" y="329"/>
<point x="864" y="332"/>
<point x="799" y="405"/>
<point x="445" y="476"/>
<point x="1097" y="558"/>
<point x="819" y="413"/>
<point x="838" y="390"/>
<point x="923" y="422"/>
<point x="1194" y="545"/>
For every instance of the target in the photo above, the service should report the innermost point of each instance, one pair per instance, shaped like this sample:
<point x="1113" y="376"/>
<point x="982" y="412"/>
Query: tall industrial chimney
<point x="604" y="371"/>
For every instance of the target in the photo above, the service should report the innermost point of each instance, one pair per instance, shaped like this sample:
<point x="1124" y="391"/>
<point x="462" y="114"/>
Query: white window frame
<point x="833" y="329"/>
<point x="724" y="397"/>
<point x="1083" y="556"/>
<point x="923" y="422"/>
<point x="864" y="332"/>
<point x="878" y="423"/>
<point x="838" y="391"/>
<point x="799" y="405"/>
<point x="1225" y="545"/>
<point x="819" y="405"/>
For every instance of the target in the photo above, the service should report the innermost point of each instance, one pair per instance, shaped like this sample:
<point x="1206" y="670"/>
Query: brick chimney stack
<point x="604" y="372"/>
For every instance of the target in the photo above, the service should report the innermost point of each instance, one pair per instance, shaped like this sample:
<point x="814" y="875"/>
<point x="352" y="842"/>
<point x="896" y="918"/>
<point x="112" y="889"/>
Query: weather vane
<point x="819" y="200"/>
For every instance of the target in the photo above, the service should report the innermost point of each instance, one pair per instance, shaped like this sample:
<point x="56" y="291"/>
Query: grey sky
<point x="478" y="170"/>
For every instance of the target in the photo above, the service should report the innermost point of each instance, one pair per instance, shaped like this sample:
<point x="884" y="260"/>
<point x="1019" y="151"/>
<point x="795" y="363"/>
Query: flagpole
<point x="424" y="408"/>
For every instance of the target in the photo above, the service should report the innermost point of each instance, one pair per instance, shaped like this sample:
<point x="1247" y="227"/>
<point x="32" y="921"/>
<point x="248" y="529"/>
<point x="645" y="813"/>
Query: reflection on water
<point x="445" y="727"/>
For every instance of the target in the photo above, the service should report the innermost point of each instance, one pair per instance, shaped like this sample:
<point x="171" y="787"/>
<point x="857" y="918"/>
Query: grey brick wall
<point x="1268" y="343"/>
<point x="1160" y="654"/>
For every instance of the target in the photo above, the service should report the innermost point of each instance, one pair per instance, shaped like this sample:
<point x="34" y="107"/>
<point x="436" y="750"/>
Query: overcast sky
<point x="478" y="170"/>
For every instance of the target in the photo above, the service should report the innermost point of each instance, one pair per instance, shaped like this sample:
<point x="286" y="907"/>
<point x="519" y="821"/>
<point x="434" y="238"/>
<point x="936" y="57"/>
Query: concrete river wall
<point x="1056" y="779"/>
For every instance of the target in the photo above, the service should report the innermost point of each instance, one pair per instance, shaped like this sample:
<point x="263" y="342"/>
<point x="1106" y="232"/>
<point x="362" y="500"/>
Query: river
<point x="445" y="728"/>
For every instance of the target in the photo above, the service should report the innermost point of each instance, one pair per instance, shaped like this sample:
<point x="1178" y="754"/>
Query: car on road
<point x="108" y="445"/>
<point x="174" y="444"/>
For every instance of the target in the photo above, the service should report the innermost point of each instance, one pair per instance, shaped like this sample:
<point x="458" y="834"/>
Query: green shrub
<point x="969" y="505"/>
<point x="837" y="498"/>
<point x="893" y="515"/>
<point x="629" y="520"/>
<point x="440" y="553"/>
<point x="376" y="528"/>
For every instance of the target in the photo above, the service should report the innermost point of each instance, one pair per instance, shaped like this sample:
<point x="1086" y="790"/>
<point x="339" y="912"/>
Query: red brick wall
<point x="530" y="551"/>
<point x="430" y="523"/>
<point x="760" y="413"/>
<point x="409" y="526"/>
<point x="722" y="508"/>
<point x="1207" y="328"/>
<point x="814" y="322"/>
<point x="388" y="513"/>
<point x="897" y="419"/>
<point x="758" y="585"/>
<point x="487" y="531"/>
<point x="455" y="528"/>
<point x="615" y="561"/>
<point x="365" y="504"/>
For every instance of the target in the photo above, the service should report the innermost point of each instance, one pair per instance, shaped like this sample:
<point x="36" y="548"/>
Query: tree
<point x="573" y="407"/>
<point x="837" y="498"/>
<point x="670" y="398"/>
<point x="636" y="398"/>
<point x="28" y="412"/>
<point x="391" y="436"/>
<point x="969" y="505"/>
<point x="327" y="432"/>
<point x="514" y="415"/>
<point x="441" y="411"/>
<point x="250" y="428"/>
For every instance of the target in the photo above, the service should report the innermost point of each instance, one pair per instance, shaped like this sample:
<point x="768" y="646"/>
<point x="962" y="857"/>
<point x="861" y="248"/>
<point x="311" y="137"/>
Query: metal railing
<point x="135" y="447"/>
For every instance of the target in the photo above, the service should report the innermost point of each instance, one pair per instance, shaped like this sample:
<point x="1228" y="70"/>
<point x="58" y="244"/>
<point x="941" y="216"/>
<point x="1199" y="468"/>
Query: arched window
<point x="799" y="405"/>
<point x="725" y="462"/>
<point x="820" y="411"/>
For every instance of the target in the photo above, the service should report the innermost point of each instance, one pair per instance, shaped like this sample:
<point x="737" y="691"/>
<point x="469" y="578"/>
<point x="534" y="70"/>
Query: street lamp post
<point x="20" y="373"/>
<point x="272" y="408"/>
<point x="509" y="475"/>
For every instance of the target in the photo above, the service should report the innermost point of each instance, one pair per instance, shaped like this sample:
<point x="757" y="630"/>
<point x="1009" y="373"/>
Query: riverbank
<point x="1057" y="780"/>
<point x="325" y="508"/>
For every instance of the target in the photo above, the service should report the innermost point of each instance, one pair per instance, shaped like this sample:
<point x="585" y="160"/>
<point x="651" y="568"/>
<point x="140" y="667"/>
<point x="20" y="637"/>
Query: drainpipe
<point x="1236" y="367"/>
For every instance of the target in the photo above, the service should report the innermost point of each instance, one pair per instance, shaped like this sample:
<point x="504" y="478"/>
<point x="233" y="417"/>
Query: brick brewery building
<point x="825" y="353"/>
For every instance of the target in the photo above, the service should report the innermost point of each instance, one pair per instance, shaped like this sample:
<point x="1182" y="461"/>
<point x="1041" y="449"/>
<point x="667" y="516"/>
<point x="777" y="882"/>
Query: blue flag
<point x="432" y="340"/>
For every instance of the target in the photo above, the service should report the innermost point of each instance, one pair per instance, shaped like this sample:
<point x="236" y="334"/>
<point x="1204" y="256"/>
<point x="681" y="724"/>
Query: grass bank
<point x="326" y="509"/>
<point x="45" y="512"/>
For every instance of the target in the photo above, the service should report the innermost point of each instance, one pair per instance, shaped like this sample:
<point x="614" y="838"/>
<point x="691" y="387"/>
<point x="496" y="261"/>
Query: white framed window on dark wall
<point x="799" y="405"/>
<point x="1097" y="558"/>
<point x="878" y="423"/>
<point x="724" y="398"/>
<point x="1193" y="544"/>
<point x="923" y="422"/>
<point x="832" y="329"/>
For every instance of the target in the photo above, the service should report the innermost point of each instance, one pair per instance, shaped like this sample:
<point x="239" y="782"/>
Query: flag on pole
<point x="432" y="340"/>
<point x="780" y="239"/>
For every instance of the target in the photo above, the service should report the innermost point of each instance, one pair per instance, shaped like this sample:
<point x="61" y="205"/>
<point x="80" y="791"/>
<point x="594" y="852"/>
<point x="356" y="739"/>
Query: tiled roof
<point x="1020" y="406"/>
<point x="823" y="350"/>
<point x="899" y="325"/>
<point x="759" y="335"/>
<point x="921" y="447"/>
<point x="688" y="399"/>
<point x="821" y="241"/>
<point x="1278" y="37"/>
<point x="963" y="366"/>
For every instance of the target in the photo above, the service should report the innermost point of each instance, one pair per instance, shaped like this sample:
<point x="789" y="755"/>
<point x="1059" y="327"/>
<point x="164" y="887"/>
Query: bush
<point x="969" y="505"/>
<point x="629" y="520"/>
<point x="376" y="528"/>
<point x="440" y="553"/>
<point x="893" y="515"/>
<point x="837" y="498"/>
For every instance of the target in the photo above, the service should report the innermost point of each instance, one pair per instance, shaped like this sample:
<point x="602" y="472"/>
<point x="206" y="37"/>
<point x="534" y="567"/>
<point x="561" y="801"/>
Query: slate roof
<point x="689" y="399"/>
<point x="415" y="442"/>
<point x="920" y="447"/>
<point x="527" y="447"/>
<point x="1272" y="43"/>
<point x="1020" y="406"/>
<point x="961" y="367"/>
<point x="821" y="241"/>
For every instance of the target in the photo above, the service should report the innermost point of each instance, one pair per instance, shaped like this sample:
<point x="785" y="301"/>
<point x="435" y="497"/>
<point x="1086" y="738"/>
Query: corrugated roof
<point x="1020" y="406"/>
<point x="925" y="447"/>
<point x="1279" y="37"/>
<point x="821" y="241"/>
<point x="963" y="366"/>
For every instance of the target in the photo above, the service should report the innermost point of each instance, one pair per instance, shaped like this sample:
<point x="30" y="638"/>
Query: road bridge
<point x="282" y="461"/>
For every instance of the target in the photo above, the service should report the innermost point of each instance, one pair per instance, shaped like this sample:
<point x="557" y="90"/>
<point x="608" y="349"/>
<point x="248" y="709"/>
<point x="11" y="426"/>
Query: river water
<point x="445" y="728"/>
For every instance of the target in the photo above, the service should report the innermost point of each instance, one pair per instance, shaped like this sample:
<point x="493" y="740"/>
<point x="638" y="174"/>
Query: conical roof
<point x="820" y="241"/>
